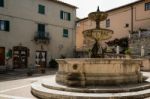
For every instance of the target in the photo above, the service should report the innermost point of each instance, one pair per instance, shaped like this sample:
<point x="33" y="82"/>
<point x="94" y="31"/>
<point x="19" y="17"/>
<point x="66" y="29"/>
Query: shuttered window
<point x="41" y="30"/>
<point x="65" y="15"/>
<point x="1" y="3"/>
<point x="4" y="25"/>
<point x="41" y="9"/>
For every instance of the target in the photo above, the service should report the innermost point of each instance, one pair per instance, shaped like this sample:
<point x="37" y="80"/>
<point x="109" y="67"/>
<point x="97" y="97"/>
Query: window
<point x="147" y="6"/>
<point x="4" y="25"/>
<point x="108" y="23"/>
<point x="65" y="33"/>
<point x="126" y="25"/>
<point x="41" y="30"/>
<point x="1" y="3"/>
<point x="41" y="9"/>
<point x="65" y="15"/>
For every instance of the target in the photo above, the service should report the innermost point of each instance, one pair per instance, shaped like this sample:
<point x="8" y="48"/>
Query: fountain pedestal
<point x="94" y="72"/>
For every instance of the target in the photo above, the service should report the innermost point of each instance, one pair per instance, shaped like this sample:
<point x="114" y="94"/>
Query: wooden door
<point x="2" y="56"/>
<point x="20" y="57"/>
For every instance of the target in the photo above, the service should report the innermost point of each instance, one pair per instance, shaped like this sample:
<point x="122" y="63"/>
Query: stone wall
<point x="137" y="41"/>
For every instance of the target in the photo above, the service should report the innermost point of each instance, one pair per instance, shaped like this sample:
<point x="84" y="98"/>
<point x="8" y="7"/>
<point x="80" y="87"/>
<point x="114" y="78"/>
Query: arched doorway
<point x="20" y="57"/>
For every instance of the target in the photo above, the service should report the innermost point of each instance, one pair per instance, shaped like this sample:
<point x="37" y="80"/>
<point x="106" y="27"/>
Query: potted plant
<point x="29" y="72"/>
<point x="53" y="63"/>
<point x="128" y="53"/>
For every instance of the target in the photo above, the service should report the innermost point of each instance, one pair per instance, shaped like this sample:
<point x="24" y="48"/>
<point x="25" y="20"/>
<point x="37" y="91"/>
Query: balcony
<point x="42" y="37"/>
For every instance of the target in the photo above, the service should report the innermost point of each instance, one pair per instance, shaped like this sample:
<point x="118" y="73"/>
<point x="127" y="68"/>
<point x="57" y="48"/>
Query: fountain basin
<point x="93" y="72"/>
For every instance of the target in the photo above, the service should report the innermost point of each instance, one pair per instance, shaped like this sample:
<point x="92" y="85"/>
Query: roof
<point x="130" y="4"/>
<point x="60" y="2"/>
<point x="82" y="19"/>
<point x="127" y="5"/>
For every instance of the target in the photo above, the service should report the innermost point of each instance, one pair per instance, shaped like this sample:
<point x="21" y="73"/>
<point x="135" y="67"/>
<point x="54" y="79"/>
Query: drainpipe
<point x="132" y="23"/>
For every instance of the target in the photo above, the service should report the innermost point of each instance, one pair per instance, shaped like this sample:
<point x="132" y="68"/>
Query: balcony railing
<point x="42" y="37"/>
<point x="143" y="34"/>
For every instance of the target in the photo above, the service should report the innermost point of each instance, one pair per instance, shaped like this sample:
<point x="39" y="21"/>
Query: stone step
<point x="51" y="84"/>
<point x="44" y="93"/>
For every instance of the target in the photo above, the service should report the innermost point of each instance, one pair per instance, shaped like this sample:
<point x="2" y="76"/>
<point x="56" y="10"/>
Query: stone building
<point x="35" y="31"/>
<point x="122" y="20"/>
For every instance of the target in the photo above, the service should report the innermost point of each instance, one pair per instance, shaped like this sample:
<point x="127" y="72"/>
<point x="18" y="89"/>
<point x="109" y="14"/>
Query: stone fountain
<point x="98" y="34"/>
<point x="96" y="77"/>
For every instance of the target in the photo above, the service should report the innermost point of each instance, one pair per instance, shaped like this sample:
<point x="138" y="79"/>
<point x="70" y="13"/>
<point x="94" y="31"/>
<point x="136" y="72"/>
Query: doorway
<point x="41" y="58"/>
<point x="2" y="56"/>
<point x="20" y="57"/>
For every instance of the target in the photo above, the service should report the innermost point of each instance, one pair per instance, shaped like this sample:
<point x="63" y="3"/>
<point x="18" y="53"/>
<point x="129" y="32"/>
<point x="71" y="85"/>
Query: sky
<point x="87" y="6"/>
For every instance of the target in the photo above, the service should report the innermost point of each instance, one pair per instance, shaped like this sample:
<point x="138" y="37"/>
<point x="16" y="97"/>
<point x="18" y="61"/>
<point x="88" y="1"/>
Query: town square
<point x="61" y="49"/>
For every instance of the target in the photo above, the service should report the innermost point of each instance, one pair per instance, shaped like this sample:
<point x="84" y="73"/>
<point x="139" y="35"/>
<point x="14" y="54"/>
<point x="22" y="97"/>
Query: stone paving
<point x="17" y="85"/>
<point x="12" y="87"/>
<point x="56" y="91"/>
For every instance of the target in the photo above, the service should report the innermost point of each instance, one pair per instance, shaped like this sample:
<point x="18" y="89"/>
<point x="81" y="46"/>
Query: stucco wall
<point x="118" y="20"/>
<point x="24" y="18"/>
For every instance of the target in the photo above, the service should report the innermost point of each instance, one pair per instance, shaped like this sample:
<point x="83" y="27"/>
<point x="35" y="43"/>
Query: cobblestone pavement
<point x="17" y="86"/>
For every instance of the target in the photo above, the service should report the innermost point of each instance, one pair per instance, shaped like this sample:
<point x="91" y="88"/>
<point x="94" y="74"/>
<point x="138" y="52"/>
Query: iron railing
<point x="42" y="37"/>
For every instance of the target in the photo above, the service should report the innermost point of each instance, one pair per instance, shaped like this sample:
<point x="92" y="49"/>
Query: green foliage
<point x="128" y="51"/>
<point x="53" y="63"/>
<point x="62" y="57"/>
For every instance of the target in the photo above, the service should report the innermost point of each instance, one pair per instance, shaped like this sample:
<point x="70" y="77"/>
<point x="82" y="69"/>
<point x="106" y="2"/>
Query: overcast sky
<point x="86" y="6"/>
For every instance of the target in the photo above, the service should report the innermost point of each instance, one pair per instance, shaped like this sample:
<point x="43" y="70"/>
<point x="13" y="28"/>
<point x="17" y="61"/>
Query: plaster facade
<point x="23" y="17"/>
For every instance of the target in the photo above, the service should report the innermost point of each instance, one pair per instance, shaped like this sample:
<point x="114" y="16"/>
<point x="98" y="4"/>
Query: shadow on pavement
<point x="22" y="74"/>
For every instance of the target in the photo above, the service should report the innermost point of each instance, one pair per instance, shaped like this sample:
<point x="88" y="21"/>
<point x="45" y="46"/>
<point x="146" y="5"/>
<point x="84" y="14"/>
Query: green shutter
<point x="6" y="25"/>
<point x="41" y="9"/>
<point x="1" y="3"/>
<point x="9" y="54"/>
<point x="61" y="14"/>
<point x="69" y="16"/>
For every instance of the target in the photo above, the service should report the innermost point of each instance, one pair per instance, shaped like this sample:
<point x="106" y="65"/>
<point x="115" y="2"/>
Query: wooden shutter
<point x="69" y="16"/>
<point x="6" y="25"/>
<point x="1" y="3"/>
<point x="41" y="9"/>
<point x="61" y="14"/>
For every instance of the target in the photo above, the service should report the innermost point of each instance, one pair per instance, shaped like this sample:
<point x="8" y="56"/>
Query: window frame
<point x="107" y="23"/>
<point x="4" y="25"/>
<point x="65" y="33"/>
<point x="41" y="9"/>
<point x="147" y="6"/>
<point x="65" y="15"/>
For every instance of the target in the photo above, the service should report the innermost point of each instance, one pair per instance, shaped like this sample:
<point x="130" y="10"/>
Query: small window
<point x="126" y="25"/>
<point x="65" y="33"/>
<point x="41" y="9"/>
<point x="108" y="23"/>
<point x="4" y="25"/>
<point x="147" y="6"/>
<point x="65" y="15"/>
<point x="1" y="3"/>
